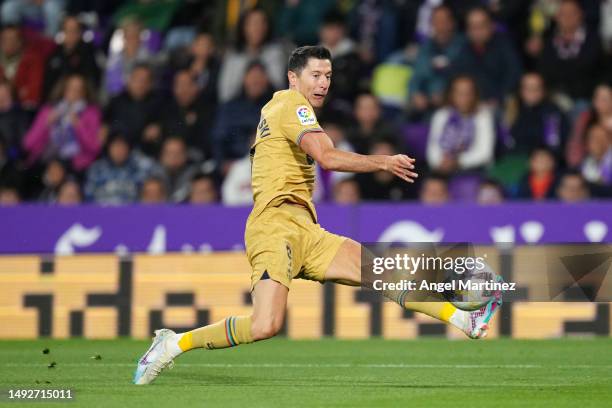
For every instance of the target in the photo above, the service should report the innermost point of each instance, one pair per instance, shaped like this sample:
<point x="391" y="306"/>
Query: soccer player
<point x="283" y="239"/>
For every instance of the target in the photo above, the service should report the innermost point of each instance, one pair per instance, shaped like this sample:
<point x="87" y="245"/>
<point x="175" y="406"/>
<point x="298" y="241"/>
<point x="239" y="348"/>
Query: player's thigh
<point x="273" y="248"/>
<point x="269" y="305"/>
<point x="345" y="267"/>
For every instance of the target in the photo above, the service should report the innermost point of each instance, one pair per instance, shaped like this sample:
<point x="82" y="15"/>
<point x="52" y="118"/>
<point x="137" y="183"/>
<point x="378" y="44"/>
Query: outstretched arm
<point x="320" y="147"/>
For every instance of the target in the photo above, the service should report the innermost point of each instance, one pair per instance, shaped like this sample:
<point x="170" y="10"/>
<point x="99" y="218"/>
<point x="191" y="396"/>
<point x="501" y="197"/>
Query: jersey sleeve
<point x="298" y="119"/>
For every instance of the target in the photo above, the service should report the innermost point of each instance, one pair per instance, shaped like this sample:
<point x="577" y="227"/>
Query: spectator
<point x="605" y="25"/>
<point x="253" y="43"/>
<point x="326" y="180"/>
<point x="203" y="63"/>
<point x="383" y="185"/>
<point x="435" y="60"/>
<point x="600" y="113"/>
<point x="540" y="182"/>
<point x="346" y="191"/>
<point x="69" y="193"/>
<point x="9" y="171"/>
<point x="348" y="68"/>
<point x="189" y="116"/>
<point x="490" y="192"/>
<point x="369" y="125"/>
<point x="9" y="196"/>
<point x="539" y="122"/>
<point x="155" y="15"/>
<point x="434" y="190"/>
<point x="176" y="171"/>
<point x="203" y="189"/>
<point x="375" y="27"/>
<point x="22" y="66"/>
<point x="461" y="135"/>
<point x="597" y="166"/>
<point x="135" y="112"/>
<point x="124" y="57"/>
<point x="13" y="121"/>
<point x="117" y="177"/>
<point x="237" y="119"/>
<point x="489" y="57"/>
<point x="573" y="188"/>
<point x="299" y="20"/>
<point x="66" y="128"/>
<point x="53" y="177"/>
<point x="153" y="191"/>
<point x="236" y="189"/>
<point x="47" y="11"/>
<point x="73" y="55"/>
<point x="572" y="56"/>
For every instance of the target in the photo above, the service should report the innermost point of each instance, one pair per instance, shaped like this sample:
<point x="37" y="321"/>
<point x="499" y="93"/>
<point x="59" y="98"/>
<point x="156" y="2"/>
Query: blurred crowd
<point x="116" y="102"/>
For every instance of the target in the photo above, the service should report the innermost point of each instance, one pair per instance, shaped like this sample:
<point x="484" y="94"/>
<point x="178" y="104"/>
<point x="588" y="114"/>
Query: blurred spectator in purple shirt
<point x="461" y="135"/>
<point x="124" y="55"/>
<point x="597" y="165"/>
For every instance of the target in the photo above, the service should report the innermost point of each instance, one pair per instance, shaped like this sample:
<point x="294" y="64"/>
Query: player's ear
<point x="292" y="77"/>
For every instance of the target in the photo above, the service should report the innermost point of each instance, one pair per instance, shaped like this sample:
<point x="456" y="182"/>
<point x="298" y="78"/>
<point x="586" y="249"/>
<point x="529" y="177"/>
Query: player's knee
<point x="264" y="328"/>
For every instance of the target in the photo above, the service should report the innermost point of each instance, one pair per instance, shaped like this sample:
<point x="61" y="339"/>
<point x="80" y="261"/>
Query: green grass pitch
<point x="326" y="373"/>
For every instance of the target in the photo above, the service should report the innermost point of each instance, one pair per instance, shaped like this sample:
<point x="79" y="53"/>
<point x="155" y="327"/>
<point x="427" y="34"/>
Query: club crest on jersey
<point x="305" y="115"/>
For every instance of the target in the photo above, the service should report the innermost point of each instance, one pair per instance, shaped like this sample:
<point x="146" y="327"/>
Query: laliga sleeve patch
<point x="305" y="115"/>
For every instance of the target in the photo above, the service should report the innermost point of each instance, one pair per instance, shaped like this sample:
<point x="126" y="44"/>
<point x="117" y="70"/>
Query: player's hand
<point x="402" y="166"/>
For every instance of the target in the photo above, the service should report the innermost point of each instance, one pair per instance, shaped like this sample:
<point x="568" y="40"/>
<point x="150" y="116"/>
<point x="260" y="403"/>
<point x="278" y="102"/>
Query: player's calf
<point x="265" y="328"/>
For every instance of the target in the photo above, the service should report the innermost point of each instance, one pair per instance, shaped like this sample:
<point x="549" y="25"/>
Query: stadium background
<point x="173" y="98"/>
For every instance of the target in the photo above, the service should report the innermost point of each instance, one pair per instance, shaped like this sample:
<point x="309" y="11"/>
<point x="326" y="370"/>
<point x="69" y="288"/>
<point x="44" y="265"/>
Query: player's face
<point x="314" y="80"/>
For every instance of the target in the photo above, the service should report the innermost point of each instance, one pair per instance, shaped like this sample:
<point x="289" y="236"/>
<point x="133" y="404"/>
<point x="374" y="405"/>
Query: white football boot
<point x="477" y="322"/>
<point x="156" y="359"/>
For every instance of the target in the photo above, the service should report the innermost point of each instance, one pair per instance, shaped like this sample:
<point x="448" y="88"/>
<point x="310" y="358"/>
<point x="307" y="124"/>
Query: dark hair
<point x="142" y="65"/>
<point x="75" y="18"/>
<point x="57" y="92"/>
<point x="435" y="176"/>
<point x="443" y="7"/>
<point x="300" y="56"/>
<point x="255" y="64"/>
<point x="174" y="138"/>
<point x="334" y="17"/>
<point x="479" y="9"/>
<point x="241" y="36"/>
<point x="542" y="148"/>
<point x="574" y="2"/>
<point x="462" y="77"/>
<point x="116" y="137"/>
<point x="200" y="175"/>
<point x="573" y="173"/>
<point x="154" y="179"/>
<point x="11" y="26"/>
<point x="493" y="183"/>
